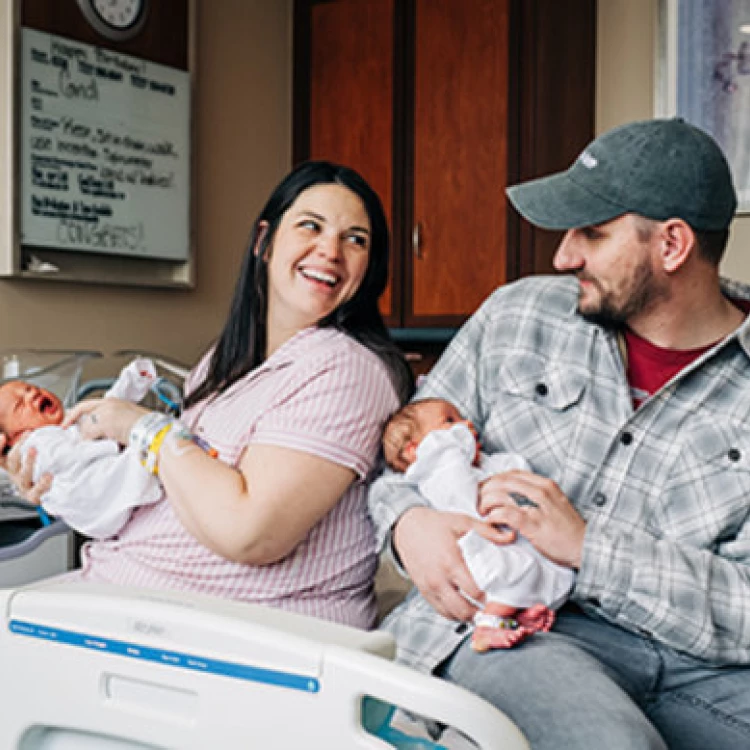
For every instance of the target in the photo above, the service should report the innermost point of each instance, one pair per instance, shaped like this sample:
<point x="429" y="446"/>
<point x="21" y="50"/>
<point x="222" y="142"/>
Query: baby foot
<point x="536" y="619"/>
<point x="486" y="638"/>
<point x="500" y="626"/>
<point x="496" y="627"/>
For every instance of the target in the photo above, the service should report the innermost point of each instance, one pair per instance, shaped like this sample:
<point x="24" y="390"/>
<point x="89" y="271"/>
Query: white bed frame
<point x="88" y="666"/>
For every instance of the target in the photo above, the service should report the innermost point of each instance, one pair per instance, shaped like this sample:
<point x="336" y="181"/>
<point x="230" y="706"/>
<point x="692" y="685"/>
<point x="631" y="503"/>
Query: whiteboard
<point x="104" y="151"/>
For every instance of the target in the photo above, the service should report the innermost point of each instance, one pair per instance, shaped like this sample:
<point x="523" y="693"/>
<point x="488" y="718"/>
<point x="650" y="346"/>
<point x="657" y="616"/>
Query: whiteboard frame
<point x="83" y="267"/>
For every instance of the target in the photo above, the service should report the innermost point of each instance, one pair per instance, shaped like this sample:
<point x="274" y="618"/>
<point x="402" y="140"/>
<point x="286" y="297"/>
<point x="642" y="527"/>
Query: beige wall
<point x="243" y="142"/>
<point x="626" y="64"/>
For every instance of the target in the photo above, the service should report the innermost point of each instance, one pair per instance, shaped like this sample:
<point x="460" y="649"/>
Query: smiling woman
<point x="334" y="195"/>
<point x="292" y="397"/>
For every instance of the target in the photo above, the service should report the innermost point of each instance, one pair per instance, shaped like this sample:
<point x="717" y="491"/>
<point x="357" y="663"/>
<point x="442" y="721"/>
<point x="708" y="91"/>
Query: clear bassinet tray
<point x="166" y="392"/>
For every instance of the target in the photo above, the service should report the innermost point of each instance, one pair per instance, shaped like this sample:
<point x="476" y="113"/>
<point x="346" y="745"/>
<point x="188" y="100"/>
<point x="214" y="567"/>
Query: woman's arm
<point x="258" y="513"/>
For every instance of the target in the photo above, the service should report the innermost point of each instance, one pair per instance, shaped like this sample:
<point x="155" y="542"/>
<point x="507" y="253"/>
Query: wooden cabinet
<point x="441" y="104"/>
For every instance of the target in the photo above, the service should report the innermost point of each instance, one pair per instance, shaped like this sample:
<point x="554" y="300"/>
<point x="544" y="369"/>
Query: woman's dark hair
<point x="241" y="345"/>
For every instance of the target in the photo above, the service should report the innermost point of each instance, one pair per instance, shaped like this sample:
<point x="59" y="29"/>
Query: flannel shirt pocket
<point x="535" y="411"/>
<point x="705" y="496"/>
<point x="724" y="444"/>
<point x="534" y="379"/>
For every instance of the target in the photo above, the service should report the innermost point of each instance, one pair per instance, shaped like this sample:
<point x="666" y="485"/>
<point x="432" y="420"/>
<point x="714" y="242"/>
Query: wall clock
<point x="115" y="19"/>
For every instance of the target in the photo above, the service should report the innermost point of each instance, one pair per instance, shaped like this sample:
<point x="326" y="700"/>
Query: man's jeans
<point x="589" y="684"/>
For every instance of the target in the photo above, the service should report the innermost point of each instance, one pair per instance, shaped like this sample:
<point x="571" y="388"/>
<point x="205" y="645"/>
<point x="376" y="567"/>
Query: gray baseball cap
<point x="660" y="169"/>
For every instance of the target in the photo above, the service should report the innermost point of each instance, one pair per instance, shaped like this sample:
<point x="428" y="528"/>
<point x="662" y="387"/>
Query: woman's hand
<point x="426" y="541"/>
<point x="21" y="472"/>
<point x="110" y="418"/>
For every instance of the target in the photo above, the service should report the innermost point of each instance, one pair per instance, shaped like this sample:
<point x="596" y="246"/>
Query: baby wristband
<point x="483" y="620"/>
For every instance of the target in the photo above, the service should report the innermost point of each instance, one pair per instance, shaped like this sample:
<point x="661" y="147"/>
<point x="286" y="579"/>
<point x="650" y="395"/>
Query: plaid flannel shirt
<point x="664" y="489"/>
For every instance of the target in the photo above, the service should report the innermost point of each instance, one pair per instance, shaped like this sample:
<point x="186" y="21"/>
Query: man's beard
<point x="614" y="311"/>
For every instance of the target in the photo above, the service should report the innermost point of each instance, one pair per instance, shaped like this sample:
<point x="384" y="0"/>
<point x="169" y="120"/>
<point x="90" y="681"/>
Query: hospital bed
<point x="87" y="666"/>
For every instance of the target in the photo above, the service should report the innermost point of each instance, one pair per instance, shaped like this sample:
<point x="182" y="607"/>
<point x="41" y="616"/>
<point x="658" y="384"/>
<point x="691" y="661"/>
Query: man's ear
<point x="262" y="232"/>
<point x="678" y="242"/>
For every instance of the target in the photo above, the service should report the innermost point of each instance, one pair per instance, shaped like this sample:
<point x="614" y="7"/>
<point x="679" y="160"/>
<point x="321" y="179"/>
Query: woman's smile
<point x="319" y="276"/>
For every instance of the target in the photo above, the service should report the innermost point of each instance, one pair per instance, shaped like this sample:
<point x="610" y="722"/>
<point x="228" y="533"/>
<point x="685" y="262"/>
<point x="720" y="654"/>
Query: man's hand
<point x="426" y="543"/>
<point x="538" y="510"/>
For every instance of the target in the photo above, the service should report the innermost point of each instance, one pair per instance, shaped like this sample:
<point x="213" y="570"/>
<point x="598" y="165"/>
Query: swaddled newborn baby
<point x="96" y="483"/>
<point x="439" y="452"/>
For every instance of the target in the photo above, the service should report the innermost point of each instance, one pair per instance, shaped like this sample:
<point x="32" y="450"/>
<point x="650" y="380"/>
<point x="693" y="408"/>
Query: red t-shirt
<point x="650" y="367"/>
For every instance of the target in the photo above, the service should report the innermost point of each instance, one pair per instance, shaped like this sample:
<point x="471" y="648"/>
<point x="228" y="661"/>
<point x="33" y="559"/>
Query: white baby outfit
<point x="96" y="484"/>
<point x="514" y="574"/>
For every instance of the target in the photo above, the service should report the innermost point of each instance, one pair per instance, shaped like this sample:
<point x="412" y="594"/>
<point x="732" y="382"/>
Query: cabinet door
<point x="351" y="96"/>
<point x="461" y="110"/>
<point x="441" y="104"/>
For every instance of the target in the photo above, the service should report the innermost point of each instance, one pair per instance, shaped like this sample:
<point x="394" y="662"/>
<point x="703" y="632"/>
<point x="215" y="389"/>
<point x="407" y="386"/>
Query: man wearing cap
<point x="626" y="385"/>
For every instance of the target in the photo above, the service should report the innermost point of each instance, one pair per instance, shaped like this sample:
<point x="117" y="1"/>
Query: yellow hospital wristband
<point x="151" y="462"/>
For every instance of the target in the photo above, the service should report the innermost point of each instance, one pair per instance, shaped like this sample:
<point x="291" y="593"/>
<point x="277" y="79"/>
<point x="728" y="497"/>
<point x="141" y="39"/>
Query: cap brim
<point x="557" y="202"/>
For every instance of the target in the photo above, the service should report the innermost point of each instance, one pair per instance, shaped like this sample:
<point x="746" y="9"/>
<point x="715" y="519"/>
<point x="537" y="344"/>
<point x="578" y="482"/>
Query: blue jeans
<point x="589" y="684"/>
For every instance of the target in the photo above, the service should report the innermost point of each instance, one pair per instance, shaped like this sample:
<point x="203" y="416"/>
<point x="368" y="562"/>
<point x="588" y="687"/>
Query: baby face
<point x="440" y="415"/>
<point x="25" y="407"/>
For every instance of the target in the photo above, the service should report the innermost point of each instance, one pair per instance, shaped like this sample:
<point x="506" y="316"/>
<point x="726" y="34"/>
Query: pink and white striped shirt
<point x="321" y="393"/>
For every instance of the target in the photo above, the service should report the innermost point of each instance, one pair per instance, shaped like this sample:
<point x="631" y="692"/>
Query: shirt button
<point x="734" y="454"/>
<point x="626" y="438"/>
<point x="600" y="499"/>
<point x="541" y="389"/>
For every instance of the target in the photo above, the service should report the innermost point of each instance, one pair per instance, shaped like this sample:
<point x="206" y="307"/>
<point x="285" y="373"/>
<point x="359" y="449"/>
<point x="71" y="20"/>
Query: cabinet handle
<point x="416" y="241"/>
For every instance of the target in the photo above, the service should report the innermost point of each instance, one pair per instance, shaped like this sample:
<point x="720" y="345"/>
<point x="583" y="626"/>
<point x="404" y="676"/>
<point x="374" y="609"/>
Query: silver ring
<point x="522" y="501"/>
<point x="93" y="418"/>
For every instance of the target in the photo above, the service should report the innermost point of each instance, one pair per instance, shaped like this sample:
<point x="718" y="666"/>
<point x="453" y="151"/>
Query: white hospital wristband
<point x="145" y="430"/>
